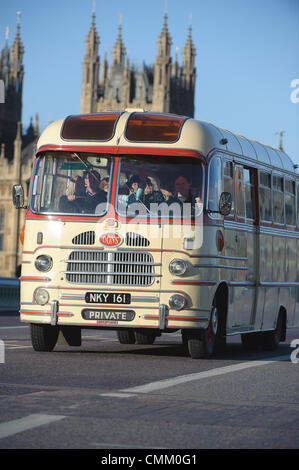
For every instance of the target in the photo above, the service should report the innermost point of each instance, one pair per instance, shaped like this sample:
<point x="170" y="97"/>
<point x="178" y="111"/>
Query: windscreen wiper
<point x="82" y="161"/>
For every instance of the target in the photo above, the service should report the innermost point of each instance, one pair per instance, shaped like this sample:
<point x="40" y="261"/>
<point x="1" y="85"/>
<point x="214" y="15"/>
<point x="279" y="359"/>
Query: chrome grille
<point x="85" y="238"/>
<point x="134" y="239"/>
<point x="110" y="267"/>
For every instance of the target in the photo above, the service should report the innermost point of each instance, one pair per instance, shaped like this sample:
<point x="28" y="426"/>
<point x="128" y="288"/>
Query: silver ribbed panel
<point x="134" y="239"/>
<point x="116" y="268"/>
<point x="85" y="238"/>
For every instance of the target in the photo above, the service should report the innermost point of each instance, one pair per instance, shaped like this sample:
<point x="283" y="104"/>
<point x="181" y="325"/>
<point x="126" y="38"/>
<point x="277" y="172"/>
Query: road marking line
<point x="12" y="327"/>
<point x="118" y="395"/>
<point x="10" y="428"/>
<point x="166" y="383"/>
<point x="108" y="445"/>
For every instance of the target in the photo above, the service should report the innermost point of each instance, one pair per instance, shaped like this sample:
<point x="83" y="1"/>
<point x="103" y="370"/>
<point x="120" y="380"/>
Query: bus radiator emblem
<point x="111" y="239"/>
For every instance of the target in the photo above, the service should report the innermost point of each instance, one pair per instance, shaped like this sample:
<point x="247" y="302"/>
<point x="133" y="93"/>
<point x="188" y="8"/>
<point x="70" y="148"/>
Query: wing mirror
<point x="225" y="203"/>
<point x="18" y="196"/>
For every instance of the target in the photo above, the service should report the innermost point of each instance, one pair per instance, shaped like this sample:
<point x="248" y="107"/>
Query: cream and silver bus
<point x="148" y="223"/>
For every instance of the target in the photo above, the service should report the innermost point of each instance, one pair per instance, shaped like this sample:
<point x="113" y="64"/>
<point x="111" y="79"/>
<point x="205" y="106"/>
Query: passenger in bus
<point x="79" y="185"/>
<point x="135" y="190"/>
<point x="169" y="197"/>
<point x="91" y="197"/>
<point x="150" y="195"/>
<point x="104" y="185"/>
<point x="183" y="191"/>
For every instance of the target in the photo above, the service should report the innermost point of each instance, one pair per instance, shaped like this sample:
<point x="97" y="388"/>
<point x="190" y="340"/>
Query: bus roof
<point x="138" y="128"/>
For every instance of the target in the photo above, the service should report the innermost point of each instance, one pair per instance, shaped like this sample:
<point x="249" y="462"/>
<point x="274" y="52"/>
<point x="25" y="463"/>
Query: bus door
<point x="241" y="246"/>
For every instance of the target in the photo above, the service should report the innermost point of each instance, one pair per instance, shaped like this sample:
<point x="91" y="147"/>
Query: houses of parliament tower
<point x="164" y="86"/>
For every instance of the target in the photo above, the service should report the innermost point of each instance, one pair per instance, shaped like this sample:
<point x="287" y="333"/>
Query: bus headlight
<point x="178" y="267"/>
<point x="43" y="263"/>
<point x="177" y="302"/>
<point x="41" y="296"/>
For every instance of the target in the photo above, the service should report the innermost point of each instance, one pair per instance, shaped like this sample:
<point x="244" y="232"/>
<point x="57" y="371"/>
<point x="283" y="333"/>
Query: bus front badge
<point x="111" y="239"/>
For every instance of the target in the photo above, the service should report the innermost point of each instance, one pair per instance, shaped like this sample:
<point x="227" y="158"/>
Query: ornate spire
<point x="17" y="49"/>
<point x="189" y="51"/>
<point x="119" y="50"/>
<point x="164" y="40"/>
<point x="92" y="40"/>
<point x="91" y="64"/>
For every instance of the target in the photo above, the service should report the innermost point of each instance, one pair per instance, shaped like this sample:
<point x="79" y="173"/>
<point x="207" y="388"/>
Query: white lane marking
<point x="166" y="383"/>
<point x="108" y="445"/>
<point x="10" y="428"/>
<point x="118" y="395"/>
<point x="12" y="327"/>
<point x="14" y="344"/>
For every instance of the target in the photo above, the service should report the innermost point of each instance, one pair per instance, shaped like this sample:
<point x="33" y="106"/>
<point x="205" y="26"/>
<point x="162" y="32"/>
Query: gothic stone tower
<point x="12" y="73"/>
<point x="16" y="154"/>
<point x="162" y="87"/>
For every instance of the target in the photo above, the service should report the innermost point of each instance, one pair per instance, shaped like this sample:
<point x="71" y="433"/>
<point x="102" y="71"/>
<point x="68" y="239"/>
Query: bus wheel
<point x="271" y="339"/>
<point x="251" y="341"/>
<point x="144" y="337"/>
<point x="202" y="343"/>
<point x="43" y="337"/>
<point x="126" y="336"/>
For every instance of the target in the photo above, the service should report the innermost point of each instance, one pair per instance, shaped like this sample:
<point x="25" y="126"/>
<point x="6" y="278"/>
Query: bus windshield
<point x="71" y="183"/>
<point x="150" y="185"/>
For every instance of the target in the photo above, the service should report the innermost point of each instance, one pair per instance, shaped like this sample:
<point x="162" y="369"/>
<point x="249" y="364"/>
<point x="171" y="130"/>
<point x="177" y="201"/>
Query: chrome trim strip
<point x="190" y="282"/>
<point x="54" y="310"/>
<point x="232" y="225"/>
<point x="242" y="284"/>
<point x="133" y="299"/>
<point x="163" y="310"/>
<point x="278" y="232"/>
<point x="233" y="258"/>
<point x="145" y="299"/>
<point x="111" y="262"/>
<point x="175" y="317"/>
<point x="108" y="274"/>
<point x="31" y="312"/>
<point x="279" y="284"/>
<point x="221" y="266"/>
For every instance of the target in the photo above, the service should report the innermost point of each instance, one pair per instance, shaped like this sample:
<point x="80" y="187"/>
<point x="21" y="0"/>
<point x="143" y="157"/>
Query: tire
<point x="43" y="337"/>
<point x="71" y="334"/>
<point x="126" y="336"/>
<point x="271" y="339"/>
<point x="251" y="341"/>
<point x="144" y="337"/>
<point x="202" y="344"/>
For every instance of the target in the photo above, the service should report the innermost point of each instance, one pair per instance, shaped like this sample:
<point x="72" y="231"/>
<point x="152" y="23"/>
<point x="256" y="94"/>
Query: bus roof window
<point x="98" y="127"/>
<point x="144" y="127"/>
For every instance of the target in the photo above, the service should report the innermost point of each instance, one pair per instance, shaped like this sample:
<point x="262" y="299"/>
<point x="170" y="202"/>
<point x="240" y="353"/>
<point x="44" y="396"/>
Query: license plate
<point x="107" y="298"/>
<point x="108" y="315"/>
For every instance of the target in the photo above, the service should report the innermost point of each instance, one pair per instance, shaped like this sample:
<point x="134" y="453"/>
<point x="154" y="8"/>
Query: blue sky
<point x="247" y="56"/>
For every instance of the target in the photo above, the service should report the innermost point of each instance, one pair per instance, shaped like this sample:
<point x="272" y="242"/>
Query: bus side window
<point x="228" y="182"/>
<point x="265" y="196"/>
<point x="290" y="202"/>
<point x="239" y="188"/>
<point x="215" y="184"/>
<point x="249" y="193"/>
<point x="278" y="204"/>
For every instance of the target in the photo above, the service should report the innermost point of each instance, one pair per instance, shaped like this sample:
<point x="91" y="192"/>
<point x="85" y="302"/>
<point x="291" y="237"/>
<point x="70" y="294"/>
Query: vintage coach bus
<point x="150" y="223"/>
